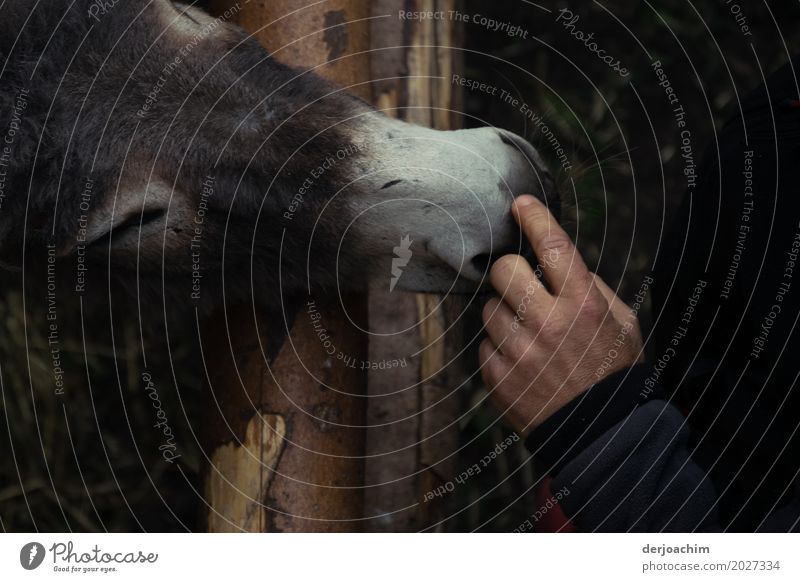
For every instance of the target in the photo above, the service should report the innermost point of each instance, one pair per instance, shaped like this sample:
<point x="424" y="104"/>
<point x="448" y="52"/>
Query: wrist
<point x="565" y="433"/>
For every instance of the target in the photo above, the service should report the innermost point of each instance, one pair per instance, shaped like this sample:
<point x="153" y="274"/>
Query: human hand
<point x="547" y="346"/>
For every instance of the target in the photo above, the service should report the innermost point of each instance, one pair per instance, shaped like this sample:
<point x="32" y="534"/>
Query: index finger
<point x="562" y="264"/>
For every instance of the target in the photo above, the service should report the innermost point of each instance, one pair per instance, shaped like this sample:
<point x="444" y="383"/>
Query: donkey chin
<point x="228" y="167"/>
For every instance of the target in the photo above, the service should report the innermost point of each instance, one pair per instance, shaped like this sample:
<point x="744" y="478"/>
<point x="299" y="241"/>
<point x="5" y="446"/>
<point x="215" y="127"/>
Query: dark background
<point x="82" y="464"/>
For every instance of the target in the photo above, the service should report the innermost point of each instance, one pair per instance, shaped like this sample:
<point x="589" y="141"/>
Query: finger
<point x="562" y="264"/>
<point x="499" y="322"/>
<point x="514" y="280"/>
<point x="494" y="366"/>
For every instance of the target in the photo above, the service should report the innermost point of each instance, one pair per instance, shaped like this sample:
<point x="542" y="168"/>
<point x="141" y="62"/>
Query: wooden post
<point x="280" y="459"/>
<point x="411" y="449"/>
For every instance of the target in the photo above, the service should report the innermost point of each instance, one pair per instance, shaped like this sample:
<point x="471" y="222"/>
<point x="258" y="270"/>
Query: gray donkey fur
<point x="168" y="144"/>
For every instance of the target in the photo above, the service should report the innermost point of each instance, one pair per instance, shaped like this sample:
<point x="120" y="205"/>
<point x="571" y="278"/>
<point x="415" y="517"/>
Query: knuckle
<point x="593" y="308"/>
<point x="530" y="322"/>
<point x="505" y="265"/>
<point x="518" y="346"/>
<point x="555" y="327"/>
<point x="535" y="219"/>
<point x="552" y="330"/>
<point x="554" y="244"/>
<point x="582" y="279"/>
<point x="550" y="257"/>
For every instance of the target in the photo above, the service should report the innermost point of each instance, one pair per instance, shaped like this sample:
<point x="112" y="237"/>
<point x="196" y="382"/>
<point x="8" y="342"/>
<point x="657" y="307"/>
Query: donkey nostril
<point x="484" y="261"/>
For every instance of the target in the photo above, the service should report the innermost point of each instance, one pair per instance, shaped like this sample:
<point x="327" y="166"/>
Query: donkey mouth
<point x="448" y="195"/>
<point x="476" y="274"/>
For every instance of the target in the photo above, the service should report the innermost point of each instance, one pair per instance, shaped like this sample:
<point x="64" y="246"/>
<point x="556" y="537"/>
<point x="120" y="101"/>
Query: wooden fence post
<point x="413" y="411"/>
<point x="280" y="461"/>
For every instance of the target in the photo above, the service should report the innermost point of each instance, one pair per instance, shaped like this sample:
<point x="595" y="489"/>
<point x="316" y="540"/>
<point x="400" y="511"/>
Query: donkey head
<point x="164" y="142"/>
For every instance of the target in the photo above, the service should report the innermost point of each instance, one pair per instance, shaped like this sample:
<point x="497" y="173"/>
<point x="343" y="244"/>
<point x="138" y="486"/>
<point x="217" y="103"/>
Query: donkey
<point x="148" y="136"/>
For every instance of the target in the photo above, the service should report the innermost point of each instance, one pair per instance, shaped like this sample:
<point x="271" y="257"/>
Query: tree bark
<point x="413" y="411"/>
<point x="283" y="436"/>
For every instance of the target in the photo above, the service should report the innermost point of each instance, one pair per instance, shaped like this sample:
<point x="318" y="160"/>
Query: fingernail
<point x="524" y="200"/>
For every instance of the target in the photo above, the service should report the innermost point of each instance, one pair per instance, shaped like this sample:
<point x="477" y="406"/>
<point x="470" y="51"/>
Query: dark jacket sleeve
<point x="619" y="452"/>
